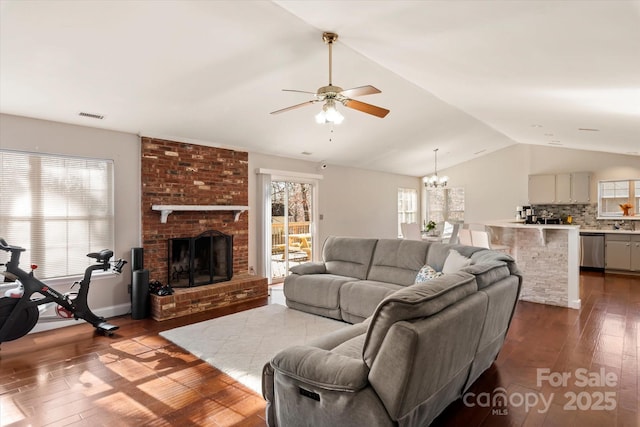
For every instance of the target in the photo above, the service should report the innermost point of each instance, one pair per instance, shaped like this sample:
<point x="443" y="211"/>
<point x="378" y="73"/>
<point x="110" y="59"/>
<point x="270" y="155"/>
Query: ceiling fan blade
<point x="360" y="91"/>
<point x="299" y="91"/>
<point x="366" y="108"/>
<point x="293" y="107"/>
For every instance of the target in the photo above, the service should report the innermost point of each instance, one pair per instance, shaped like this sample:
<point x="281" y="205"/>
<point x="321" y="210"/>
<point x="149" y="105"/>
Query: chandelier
<point x="434" y="181"/>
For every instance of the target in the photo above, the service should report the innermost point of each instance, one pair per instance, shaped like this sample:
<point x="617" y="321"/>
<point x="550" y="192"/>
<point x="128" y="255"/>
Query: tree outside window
<point x="445" y="204"/>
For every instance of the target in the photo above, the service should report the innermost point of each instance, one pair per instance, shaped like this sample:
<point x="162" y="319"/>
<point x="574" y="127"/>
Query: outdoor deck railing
<point x="277" y="231"/>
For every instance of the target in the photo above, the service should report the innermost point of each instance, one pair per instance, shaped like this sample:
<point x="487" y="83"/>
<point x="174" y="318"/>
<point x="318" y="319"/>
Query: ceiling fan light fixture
<point x="329" y="114"/>
<point x="330" y="93"/>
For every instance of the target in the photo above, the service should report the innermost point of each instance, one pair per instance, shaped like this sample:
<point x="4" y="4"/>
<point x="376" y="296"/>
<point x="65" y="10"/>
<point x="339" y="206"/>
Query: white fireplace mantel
<point x="165" y="210"/>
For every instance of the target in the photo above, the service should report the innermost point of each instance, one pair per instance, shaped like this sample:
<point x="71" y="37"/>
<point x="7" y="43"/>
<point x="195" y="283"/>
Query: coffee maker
<point x="529" y="215"/>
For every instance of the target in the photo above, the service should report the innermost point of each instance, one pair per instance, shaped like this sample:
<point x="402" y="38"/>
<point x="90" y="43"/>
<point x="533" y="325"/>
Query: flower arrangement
<point x="428" y="226"/>
<point x="625" y="208"/>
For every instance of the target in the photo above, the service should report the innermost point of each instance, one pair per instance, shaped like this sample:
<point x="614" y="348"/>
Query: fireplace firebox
<point x="200" y="260"/>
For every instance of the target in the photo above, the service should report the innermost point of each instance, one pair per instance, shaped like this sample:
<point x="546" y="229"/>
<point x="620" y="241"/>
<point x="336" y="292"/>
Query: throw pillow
<point x="426" y="273"/>
<point x="455" y="262"/>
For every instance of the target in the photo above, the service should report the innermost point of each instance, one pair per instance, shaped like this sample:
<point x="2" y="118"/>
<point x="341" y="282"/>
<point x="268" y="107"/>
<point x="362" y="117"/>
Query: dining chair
<point x="411" y="231"/>
<point x="481" y="239"/>
<point x="476" y="226"/>
<point x="446" y="230"/>
<point x="464" y="237"/>
<point x="453" y="237"/>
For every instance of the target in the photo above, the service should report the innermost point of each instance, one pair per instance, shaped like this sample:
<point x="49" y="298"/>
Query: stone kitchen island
<point x="549" y="257"/>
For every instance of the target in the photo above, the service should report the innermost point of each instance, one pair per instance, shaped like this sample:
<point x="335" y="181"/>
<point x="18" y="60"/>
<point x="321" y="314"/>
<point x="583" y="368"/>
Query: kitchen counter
<point x="520" y="224"/>
<point x="548" y="256"/>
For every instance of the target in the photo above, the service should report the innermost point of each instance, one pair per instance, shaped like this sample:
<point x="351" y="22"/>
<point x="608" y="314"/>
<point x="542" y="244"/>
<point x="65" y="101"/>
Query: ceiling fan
<point x="331" y="95"/>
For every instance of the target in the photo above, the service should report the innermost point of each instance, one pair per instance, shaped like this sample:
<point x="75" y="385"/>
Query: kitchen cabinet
<point x="635" y="253"/>
<point x="581" y="187"/>
<point x="622" y="252"/>
<point x="542" y="189"/>
<point x="564" y="188"/>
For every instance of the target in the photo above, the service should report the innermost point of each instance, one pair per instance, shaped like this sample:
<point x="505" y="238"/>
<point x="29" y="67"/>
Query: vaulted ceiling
<point x="467" y="77"/>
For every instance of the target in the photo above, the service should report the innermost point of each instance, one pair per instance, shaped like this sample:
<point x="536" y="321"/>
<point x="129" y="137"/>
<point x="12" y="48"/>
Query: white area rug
<point x="241" y="343"/>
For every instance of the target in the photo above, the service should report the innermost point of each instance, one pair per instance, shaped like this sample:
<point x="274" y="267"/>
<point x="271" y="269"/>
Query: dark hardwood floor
<point x="71" y="376"/>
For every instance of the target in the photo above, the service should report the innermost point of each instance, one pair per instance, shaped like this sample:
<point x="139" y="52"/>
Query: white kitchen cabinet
<point x="564" y="188"/>
<point x="542" y="189"/>
<point x="581" y="187"/>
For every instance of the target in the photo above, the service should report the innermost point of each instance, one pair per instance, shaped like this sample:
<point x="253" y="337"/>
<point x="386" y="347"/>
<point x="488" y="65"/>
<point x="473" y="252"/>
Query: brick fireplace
<point x="179" y="174"/>
<point x="176" y="173"/>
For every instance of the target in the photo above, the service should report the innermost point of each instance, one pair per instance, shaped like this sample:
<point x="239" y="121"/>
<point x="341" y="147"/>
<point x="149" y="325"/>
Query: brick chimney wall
<point x="176" y="173"/>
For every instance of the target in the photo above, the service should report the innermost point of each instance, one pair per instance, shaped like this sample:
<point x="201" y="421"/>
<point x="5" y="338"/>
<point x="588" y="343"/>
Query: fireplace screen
<point x="200" y="260"/>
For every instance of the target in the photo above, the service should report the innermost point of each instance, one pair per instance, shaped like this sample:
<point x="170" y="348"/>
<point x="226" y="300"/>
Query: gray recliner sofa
<point x="413" y="348"/>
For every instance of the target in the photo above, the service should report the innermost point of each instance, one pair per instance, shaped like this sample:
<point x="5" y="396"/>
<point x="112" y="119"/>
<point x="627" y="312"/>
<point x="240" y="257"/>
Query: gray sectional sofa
<point x="413" y="347"/>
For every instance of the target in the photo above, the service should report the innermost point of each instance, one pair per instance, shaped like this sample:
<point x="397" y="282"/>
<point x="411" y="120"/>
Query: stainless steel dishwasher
<point x="592" y="250"/>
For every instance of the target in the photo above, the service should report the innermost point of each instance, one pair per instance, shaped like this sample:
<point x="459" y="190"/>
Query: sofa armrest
<point x="322" y="368"/>
<point x="309" y="268"/>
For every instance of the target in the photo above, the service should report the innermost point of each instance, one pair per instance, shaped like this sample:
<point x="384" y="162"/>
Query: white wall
<point x="497" y="182"/>
<point x="108" y="297"/>
<point x="361" y="203"/>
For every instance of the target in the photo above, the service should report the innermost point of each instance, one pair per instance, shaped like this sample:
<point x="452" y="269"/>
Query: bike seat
<point x="102" y="256"/>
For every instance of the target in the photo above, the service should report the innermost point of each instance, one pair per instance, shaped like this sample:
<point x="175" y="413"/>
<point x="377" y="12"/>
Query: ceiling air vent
<point x="91" y="115"/>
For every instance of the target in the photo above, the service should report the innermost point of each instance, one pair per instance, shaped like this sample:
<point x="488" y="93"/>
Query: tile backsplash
<point x="584" y="215"/>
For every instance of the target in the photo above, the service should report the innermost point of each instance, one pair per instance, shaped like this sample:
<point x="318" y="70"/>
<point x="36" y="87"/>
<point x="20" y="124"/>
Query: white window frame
<point x="264" y="179"/>
<point x="631" y="196"/>
<point x="407" y="207"/>
<point x="71" y="198"/>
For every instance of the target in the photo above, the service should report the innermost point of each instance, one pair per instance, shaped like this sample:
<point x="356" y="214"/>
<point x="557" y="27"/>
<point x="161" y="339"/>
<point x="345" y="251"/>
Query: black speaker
<point x="137" y="259"/>
<point x="140" y="302"/>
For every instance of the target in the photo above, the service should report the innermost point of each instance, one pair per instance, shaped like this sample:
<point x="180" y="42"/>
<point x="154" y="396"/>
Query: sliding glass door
<point x="291" y="226"/>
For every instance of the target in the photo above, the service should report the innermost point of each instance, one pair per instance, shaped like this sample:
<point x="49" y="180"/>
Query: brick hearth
<point x="186" y="301"/>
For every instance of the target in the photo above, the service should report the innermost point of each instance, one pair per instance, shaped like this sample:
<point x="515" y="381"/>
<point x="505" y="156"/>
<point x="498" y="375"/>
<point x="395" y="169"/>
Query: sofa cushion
<point x="309" y="268"/>
<point x="345" y="256"/>
<point x="360" y="298"/>
<point x="317" y="290"/>
<point x="489" y="273"/>
<point x="455" y="262"/>
<point x="413" y="302"/>
<point x="322" y="368"/>
<point x="427" y="273"/>
<point x="334" y="339"/>
<point x="398" y="261"/>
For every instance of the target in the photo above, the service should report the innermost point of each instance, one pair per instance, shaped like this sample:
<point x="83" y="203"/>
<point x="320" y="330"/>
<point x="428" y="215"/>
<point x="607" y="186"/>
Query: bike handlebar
<point x="101" y="257"/>
<point x="8" y="248"/>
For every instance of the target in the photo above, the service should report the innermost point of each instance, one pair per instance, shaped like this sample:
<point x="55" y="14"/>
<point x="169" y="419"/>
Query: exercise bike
<point x="19" y="312"/>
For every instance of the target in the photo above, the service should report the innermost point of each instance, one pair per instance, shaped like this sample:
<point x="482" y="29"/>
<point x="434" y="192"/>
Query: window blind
<point x="58" y="208"/>
<point x="407" y="206"/>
